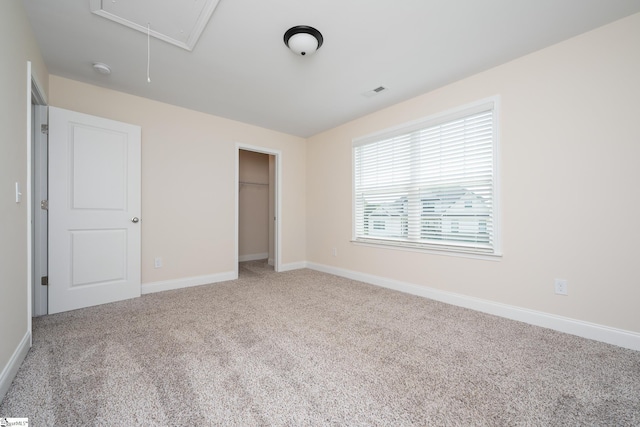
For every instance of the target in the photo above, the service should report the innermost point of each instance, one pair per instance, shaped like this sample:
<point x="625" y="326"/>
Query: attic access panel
<point x="178" y="22"/>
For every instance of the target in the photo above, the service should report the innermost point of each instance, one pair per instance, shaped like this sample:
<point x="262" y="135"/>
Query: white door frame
<point x="277" y="209"/>
<point x="40" y="220"/>
<point x="34" y="96"/>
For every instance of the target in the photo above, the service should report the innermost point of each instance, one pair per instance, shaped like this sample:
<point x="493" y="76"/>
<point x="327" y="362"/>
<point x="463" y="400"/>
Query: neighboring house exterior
<point x="388" y="220"/>
<point x="454" y="214"/>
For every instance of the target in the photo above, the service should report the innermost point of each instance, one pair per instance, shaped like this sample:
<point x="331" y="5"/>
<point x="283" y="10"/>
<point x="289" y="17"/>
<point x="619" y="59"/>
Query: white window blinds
<point x="431" y="184"/>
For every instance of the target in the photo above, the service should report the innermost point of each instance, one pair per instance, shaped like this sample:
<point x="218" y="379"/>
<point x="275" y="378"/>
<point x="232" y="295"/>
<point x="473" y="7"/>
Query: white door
<point x="94" y="210"/>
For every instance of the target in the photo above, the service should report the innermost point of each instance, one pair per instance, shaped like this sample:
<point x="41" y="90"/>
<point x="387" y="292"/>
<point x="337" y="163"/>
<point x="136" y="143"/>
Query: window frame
<point x="492" y="103"/>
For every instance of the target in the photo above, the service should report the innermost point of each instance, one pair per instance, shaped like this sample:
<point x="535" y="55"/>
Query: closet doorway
<point x="257" y="219"/>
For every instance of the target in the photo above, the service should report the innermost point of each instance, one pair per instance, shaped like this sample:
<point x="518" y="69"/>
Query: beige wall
<point x="17" y="45"/>
<point x="569" y="147"/>
<point x="253" y="202"/>
<point x="188" y="180"/>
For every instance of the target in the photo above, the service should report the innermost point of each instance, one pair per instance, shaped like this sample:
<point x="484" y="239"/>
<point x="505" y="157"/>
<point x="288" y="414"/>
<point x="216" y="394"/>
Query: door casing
<point x="277" y="262"/>
<point x="39" y="212"/>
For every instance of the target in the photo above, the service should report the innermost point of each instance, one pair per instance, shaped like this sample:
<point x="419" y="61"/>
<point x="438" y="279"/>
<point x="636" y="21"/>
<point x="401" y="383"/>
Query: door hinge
<point x="44" y="280"/>
<point x="44" y="205"/>
<point x="44" y="129"/>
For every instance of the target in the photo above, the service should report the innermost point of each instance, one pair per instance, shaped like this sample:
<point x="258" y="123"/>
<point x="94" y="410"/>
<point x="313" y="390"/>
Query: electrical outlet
<point x="334" y="251"/>
<point x="158" y="262"/>
<point x="561" y="287"/>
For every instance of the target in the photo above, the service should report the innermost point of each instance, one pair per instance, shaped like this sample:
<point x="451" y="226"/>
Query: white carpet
<point x="308" y="348"/>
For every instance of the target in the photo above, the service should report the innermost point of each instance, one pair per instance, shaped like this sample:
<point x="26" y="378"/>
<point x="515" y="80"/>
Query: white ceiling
<point x="241" y="69"/>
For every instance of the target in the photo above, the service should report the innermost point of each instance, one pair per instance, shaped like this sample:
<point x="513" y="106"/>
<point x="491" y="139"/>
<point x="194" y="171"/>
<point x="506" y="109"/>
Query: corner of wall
<point x="11" y="369"/>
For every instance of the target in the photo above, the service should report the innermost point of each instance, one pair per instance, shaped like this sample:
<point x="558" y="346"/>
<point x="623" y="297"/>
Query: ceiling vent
<point x="374" y="92"/>
<point x="177" y="22"/>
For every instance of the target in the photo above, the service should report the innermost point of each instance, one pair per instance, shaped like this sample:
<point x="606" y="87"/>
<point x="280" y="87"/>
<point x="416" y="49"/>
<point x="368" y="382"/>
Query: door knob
<point x="135" y="219"/>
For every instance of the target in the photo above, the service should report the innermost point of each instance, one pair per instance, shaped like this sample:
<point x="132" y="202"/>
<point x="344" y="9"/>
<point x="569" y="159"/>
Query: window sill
<point x="448" y="251"/>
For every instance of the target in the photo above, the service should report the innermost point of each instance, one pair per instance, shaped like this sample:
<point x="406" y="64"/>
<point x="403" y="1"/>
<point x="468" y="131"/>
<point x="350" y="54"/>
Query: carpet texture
<point x="308" y="348"/>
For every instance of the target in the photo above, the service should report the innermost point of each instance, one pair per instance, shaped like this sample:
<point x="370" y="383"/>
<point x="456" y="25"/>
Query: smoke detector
<point x="102" y="68"/>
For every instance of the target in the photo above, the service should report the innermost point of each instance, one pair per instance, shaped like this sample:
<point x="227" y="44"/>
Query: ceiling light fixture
<point x="102" y="68"/>
<point x="303" y="40"/>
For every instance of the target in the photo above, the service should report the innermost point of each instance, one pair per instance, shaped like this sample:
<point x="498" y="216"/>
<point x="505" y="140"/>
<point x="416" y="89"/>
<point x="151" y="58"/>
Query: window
<point x="431" y="184"/>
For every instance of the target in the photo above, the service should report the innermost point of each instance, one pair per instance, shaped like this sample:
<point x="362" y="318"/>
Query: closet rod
<point x="252" y="183"/>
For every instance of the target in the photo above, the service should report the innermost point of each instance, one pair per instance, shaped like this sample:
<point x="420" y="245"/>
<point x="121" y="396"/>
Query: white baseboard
<point x="253" y="257"/>
<point x="619" y="337"/>
<point x="292" y="266"/>
<point x="11" y="369"/>
<point x="167" y="285"/>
